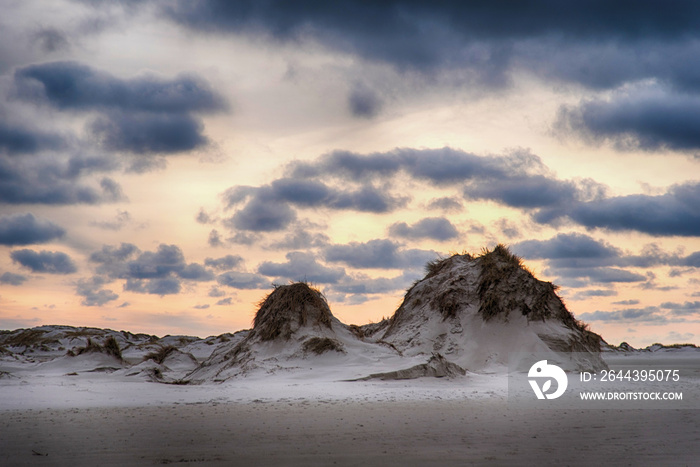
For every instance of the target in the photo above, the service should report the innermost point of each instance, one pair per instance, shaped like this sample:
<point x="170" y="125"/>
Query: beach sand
<point x="347" y="432"/>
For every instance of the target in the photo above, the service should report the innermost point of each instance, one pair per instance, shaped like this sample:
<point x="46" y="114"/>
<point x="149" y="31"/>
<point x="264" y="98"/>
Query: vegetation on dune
<point x="110" y="347"/>
<point x="287" y="305"/>
<point x="161" y="354"/>
<point x="319" y="345"/>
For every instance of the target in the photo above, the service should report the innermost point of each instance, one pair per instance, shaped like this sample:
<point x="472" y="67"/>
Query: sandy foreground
<point x="429" y="423"/>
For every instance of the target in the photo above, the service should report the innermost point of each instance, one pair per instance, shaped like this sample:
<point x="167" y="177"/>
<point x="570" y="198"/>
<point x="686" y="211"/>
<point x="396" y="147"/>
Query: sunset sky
<point x="162" y="163"/>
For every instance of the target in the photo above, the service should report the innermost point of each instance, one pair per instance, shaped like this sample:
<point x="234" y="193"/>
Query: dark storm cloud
<point x="596" y="44"/>
<point x="579" y="260"/>
<point x="518" y="179"/>
<point x="650" y="121"/>
<point x="72" y="85"/>
<point x="25" y="229"/>
<point x="379" y="253"/>
<point x="311" y="193"/>
<point x="676" y="212"/>
<point x="146" y="114"/>
<point x="15" y="140"/>
<point x="435" y="228"/>
<point x="262" y="215"/>
<point x="11" y="278"/>
<point x="568" y="247"/>
<point x="195" y="272"/>
<point x="50" y="262"/>
<point x="524" y="191"/>
<point x="302" y="266"/>
<point x="149" y="132"/>
<point x="40" y="180"/>
<point x="426" y="35"/>
<point x="692" y="260"/>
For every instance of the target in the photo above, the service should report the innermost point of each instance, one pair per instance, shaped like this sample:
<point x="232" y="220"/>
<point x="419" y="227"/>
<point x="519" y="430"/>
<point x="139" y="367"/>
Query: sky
<point x="164" y="163"/>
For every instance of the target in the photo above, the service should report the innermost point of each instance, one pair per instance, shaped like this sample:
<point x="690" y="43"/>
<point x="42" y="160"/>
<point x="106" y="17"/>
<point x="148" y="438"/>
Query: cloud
<point x="648" y="314"/>
<point x="157" y="286"/>
<point x="672" y="213"/>
<point x="627" y="302"/>
<point x="142" y="115"/>
<point x="361" y="284"/>
<point x="379" y="254"/>
<point x="51" y="40"/>
<point x="343" y="180"/>
<point x="262" y="215"/>
<point x="686" y="308"/>
<point x="72" y="85"/>
<point x="121" y="219"/>
<point x="600" y="275"/>
<point x="300" y="238"/>
<point x="195" y="272"/>
<point x="446" y="204"/>
<point x="216" y="292"/>
<point x="149" y="133"/>
<point x="243" y="280"/>
<point x="10" y="278"/>
<point x="93" y="293"/>
<point x="214" y="239"/>
<point x="302" y="266"/>
<point x="678" y="338"/>
<point x="224" y="301"/>
<point x="524" y="191"/>
<point x="43" y="180"/>
<point x="154" y="272"/>
<point x="585" y="294"/>
<point x="435" y="228"/>
<point x="203" y="217"/>
<point x="17" y="140"/>
<point x="225" y="263"/>
<point x="364" y="102"/>
<point x="572" y="248"/>
<point x="44" y="261"/>
<point x="269" y="206"/>
<point x="651" y="119"/>
<point x="486" y="40"/>
<point x="25" y="229"/>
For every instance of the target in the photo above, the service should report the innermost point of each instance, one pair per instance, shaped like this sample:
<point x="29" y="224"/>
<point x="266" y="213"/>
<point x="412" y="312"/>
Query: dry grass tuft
<point x="288" y="307"/>
<point x="110" y="347"/>
<point x="28" y="338"/>
<point x="319" y="345"/>
<point x="161" y="354"/>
